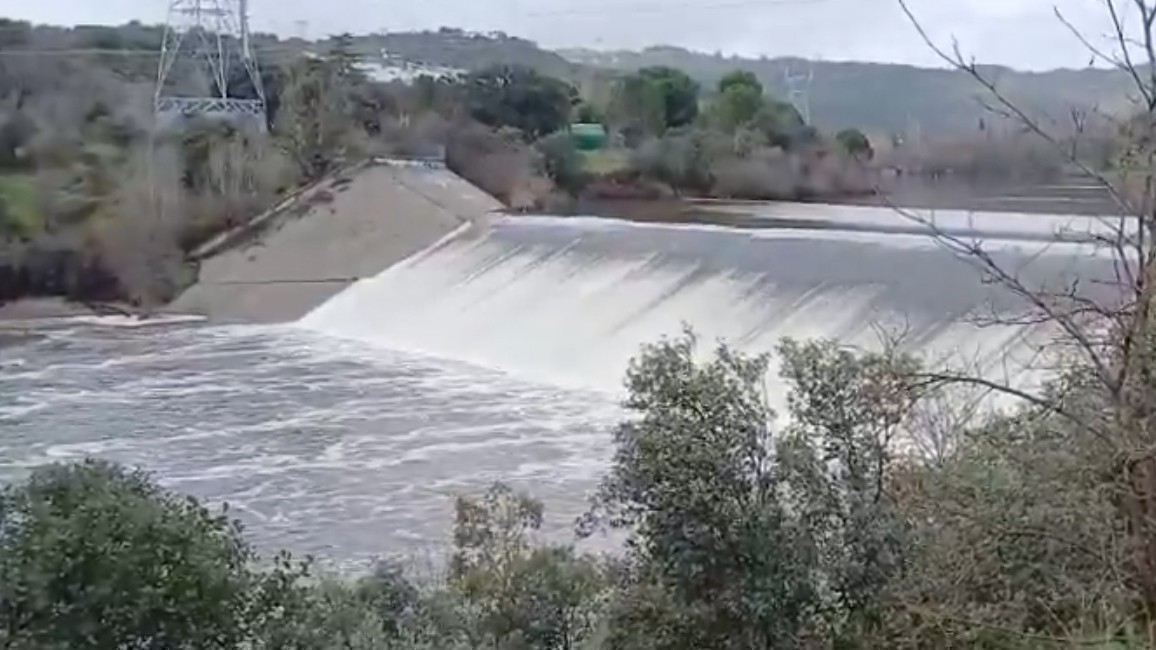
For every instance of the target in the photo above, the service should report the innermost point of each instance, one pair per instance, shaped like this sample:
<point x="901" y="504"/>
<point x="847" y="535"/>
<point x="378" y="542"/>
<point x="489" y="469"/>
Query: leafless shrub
<point x="985" y="157"/>
<point x="314" y="124"/>
<point x="739" y="166"/>
<point x="498" y="163"/>
<point x="826" y="174"/>
<point x="422" y="137"/>
<point x="767" y="174"/>
<point x="136" y="237"/>
<point x="1089" y="438"/>
<point x="230" y="177"/>
<point x="683" y="158"/>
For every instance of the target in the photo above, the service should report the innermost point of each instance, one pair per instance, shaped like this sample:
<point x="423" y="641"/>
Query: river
<point x="331" y="448"/>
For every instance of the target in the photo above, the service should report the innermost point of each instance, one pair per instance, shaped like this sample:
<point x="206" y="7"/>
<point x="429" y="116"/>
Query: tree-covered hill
<point x="872" y="96"/>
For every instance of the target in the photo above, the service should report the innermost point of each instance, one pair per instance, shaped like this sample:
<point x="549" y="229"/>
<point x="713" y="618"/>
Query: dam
<point x="569" y="301"/>
<point x="372" y="354"/>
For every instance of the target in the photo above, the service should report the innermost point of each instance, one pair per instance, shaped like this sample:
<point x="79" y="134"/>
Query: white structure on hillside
<point x="392" y="68"/>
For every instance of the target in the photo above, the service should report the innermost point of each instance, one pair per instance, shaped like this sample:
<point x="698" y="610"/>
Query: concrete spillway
<point x="570" y="300"/>
<point x="347" y="231"/>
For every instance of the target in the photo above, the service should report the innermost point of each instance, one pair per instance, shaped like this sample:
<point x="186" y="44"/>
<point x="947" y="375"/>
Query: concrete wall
<point x="304" y="255"/>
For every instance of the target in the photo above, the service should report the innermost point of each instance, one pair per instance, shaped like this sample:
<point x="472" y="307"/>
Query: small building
<point x="589" y="136"/>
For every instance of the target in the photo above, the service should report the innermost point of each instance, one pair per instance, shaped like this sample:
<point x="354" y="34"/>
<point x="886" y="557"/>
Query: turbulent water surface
<point x="494" y="355"/>
<point x="330" y="448"/>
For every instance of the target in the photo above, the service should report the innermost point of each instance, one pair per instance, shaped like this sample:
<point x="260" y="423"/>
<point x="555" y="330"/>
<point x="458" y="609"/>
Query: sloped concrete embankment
<point x="307" y="251"/>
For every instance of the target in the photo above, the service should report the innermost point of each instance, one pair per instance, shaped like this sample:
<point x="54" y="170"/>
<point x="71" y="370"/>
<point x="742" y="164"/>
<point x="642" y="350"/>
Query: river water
<point x="332" y="448"/>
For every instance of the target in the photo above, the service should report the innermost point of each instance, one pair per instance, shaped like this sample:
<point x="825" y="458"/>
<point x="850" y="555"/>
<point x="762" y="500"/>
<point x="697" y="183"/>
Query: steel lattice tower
<point x="207" y="46"/>
<point x="799" y="89"/>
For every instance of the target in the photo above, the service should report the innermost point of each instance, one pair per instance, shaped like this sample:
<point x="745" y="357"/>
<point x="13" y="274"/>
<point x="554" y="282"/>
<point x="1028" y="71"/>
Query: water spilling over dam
<point x="570" y="301"/>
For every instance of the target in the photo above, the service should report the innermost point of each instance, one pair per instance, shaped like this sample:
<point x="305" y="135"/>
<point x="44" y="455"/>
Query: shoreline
<point x="41" y="308"/>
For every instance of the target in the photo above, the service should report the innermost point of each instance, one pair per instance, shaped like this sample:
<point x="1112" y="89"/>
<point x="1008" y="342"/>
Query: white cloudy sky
<point x="1023" y="33"/>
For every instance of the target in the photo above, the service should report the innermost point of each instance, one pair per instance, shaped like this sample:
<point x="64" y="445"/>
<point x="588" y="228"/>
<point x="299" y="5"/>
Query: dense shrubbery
<point x="745" y="145"/>
<point x="741" y="532"/>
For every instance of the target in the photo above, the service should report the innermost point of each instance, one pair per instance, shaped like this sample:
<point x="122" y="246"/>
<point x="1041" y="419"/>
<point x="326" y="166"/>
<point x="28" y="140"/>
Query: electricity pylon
<point x="799" y="88"/>
<point x="206" y="48"/>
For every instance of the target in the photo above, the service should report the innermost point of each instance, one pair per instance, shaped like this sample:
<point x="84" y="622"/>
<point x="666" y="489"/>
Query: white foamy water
<point x="570" y="301"/>
<point x="337" y="449"/>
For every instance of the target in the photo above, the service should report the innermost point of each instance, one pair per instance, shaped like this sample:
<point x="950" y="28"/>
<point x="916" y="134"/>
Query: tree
<point x="847" y="412"/>
<point x="1109" y="337"/>
<point x="317" y="113"/>
<point x="562" y="161"/>
<point x="313" y="119"/>
<point x="94" y="556"/>
<point x="590" y="114"/>
<point x="518" y="594"/>
<point x="739" y="100"/>
<point x="739" y="78"/>
<point x="783" y="125"/>
<point x="735" y="533"/>
<point x="679" y="94"/>
<point x="637" y="109"/>
<point x="137" y="232"/>
<point x="521" y="98"/>
<point x="684" y="158"/>
<point x="854" y="142"/>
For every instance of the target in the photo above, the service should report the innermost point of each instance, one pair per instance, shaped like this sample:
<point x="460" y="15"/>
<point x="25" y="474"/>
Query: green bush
<point x="93" y="556"/>
<point x="517" y="593"/>
<point x="684" y="158"/>
<point x="741" y="536"/>
<point x="562" y="162"/>
<point x="855" y="143"/>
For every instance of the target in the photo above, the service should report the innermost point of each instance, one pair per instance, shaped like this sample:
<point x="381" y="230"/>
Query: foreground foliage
<point x="93" y="556"/>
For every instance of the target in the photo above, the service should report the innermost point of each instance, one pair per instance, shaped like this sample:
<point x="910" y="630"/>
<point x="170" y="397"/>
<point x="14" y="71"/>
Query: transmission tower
<point x="799" y="88"/>
<point x="206" y="49"/>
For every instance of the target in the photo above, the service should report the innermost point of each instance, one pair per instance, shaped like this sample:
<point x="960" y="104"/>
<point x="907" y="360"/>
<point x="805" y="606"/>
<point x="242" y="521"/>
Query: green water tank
<point x="588" y="137"/>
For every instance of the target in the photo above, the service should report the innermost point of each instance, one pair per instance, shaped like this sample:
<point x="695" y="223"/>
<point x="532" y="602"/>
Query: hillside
<point x="875" y="97"/>
<point x="455" y="48"/>
<point x="885" y="96"/>
<point x="872" y="96"/>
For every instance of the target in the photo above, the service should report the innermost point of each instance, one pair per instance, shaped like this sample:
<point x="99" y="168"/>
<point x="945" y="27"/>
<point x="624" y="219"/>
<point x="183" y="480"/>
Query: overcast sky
<point x="1022" y="33"/>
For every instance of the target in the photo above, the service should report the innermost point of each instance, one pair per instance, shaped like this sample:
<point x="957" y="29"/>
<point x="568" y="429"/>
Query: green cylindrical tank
<point x="588" y="137"/>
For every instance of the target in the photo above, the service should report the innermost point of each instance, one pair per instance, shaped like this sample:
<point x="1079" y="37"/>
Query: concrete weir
<point x="310" y="249"/>
<point x="570" y="300"/>
<point x="400" y="256"/>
